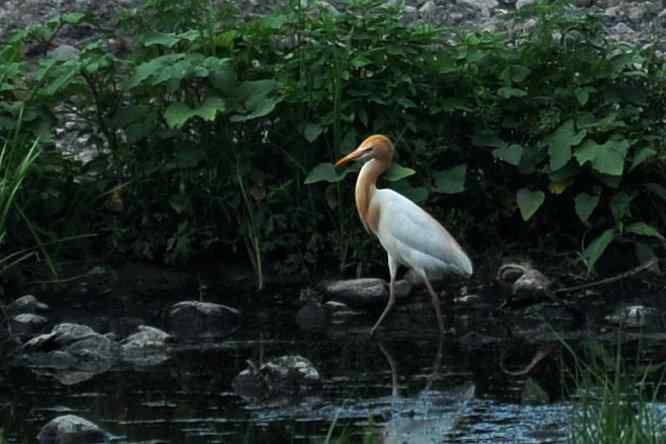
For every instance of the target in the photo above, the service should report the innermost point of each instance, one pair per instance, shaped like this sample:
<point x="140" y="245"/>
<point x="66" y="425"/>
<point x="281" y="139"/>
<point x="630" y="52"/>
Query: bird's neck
<point x="366" y="186"/>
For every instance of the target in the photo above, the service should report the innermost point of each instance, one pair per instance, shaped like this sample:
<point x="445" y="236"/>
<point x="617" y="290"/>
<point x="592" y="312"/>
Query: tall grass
<point x="611" y="403"/>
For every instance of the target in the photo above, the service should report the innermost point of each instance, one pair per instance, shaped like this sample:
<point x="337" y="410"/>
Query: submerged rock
<point x="312" y="317"/>
<point x="194" y="319"/>
<point x="364" y="292"/>
<point x="70" y="429"/>
<point x="147" y="347"/>
<point x="288" y="376"/>
<point x="27" y="304"/>
<point x="521" y="282"/>
<point x="634" y="316"/>
<point x="70" y="346"/>
<point x="28" y="324"/>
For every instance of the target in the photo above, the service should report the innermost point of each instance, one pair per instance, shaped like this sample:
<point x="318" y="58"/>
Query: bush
<point x="217" y="129"/>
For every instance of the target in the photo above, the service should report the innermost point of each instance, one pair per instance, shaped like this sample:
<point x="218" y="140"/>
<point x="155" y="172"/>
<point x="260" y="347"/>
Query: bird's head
<point x="374" y="147"/>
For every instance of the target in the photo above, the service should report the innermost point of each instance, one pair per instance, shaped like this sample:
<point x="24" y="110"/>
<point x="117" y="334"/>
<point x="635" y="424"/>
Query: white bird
<point x="410" y="236"/>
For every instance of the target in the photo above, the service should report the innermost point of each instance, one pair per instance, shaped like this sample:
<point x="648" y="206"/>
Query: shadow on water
<point x="409" y="386"/>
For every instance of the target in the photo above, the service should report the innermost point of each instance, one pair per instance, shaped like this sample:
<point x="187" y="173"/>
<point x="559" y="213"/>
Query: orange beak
<point x="358" y="152"/>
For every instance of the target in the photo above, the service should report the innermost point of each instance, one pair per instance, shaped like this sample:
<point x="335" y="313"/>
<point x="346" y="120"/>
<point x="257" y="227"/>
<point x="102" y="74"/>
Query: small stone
<point x="147" y="347"/>
<point x="523" y="3"/>
<point x="28" y="324"/>
<point x="428" y="7"/>
<point x="634" y="316"/>
<point x="71" y="429"/>
<point x="194" y="319"/>
<point x="365" y="292"/>
<point x="27" y="304"/>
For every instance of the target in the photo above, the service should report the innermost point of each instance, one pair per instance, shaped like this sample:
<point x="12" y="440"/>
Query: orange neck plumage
<point x="366" y="186"/>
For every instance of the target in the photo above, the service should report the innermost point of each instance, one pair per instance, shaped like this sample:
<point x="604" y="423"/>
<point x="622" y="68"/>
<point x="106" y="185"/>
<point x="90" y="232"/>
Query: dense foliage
<point x="219" y="133"/>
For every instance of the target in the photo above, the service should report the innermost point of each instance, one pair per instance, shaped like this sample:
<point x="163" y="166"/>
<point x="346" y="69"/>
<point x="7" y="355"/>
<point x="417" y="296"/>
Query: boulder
<point x="196" y="320"/>
<point x="71" y="429"/>
<point x="28" y="324"/>
<point x="27" y="304"/>
<point x="70" y="346"/>
<point x="147" y="347"/>
<point x="365" y="292"/>
<point x="289" y="376"/>
<point x="634" y="316"/>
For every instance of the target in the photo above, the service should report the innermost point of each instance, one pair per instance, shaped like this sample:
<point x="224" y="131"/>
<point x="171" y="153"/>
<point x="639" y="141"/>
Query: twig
<point x="609" y="280"/>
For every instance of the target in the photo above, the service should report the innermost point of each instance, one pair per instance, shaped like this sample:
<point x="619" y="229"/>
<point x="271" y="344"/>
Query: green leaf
<point x="510" y="154"/>
<point x="585" y="205"/>
<point x="325" y="172"/>
<point x="515" y="73"/>
<point x="529" y="202"/>
<point x="73" y="18"/>
<point x="415" y="194"/>
<point x="657" y="190"/>
<point x="641" y="156"/>
<point x="257" y="99"/>
<point x="583" y="94"/>
<point x="607" y="158"/>
<point x="643" y="229"/>
<point x="485" y="138"/>
<point x="452" y="180"/>
<point x="405" y="102"/>
<point x="508" y="92"/>
<point x="398" y="172"/>
<point x="619" y="205"/>
<point x="209" y="109"/>
<point x="62" y="80"/>
<point x="312" y="131"/>
<point x="161" y="39"/>
<point x="177" y="114"/>
<point x="560" y="143"/>
<point x="360" y="61"/>
<point x="597" y="247"/>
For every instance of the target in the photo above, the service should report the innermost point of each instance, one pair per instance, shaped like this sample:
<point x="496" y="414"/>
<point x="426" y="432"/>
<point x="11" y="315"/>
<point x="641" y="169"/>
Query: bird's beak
<point x="354" y="155"/>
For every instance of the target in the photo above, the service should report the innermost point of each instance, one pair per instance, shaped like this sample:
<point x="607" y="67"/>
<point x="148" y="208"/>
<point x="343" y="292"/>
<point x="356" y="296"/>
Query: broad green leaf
<point x="597" y="247"/>
<point x="643" y="229"/>
<point x="226" y="39"/>
<point x="325" y="172"/>
<point x="209" y="109"/>
<point x="619" y="205"/>
<point x="529" y="202"/>
<point x="258" y="98"/>
<point x="485" y="138"/>
<point x="161" y="39"/>
<point x="398" y="172"/>
<point x="312" y="131"/>
<point x="515" y="73"/>
<point x="452" y="180"/>
<point x="177" y="114"/>
<point x="405" y="102"/>
<point x="360" y="61"/>
<point x="73" y="18"/>
<point x="607" y="158"/>
<point x="657" y="190"/>
<point x="559" y="186"/>
<point x="641" y="156"/>
<point x="560" y="143"/>
<point x="585" y="205"/>
<point x="415" y="194"/>
<point x="507" y="92"/>
<point x="510" y="154"/>
<point x="63" y="79"/>
<point x="583" y="94"/>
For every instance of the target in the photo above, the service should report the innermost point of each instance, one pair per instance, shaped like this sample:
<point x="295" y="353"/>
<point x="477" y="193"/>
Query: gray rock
<point x="28" y="324"/>
<point x="428" y="7"/>
<point x="288" y="376"/>
<point x="364" y="292"/>
<point x="70" y="346"/>
<point x="194" y="319"/>
<point x="147" y="347"/>
<point x="312" y="317"/>
<point x="71" y="429"/>
<point x="634" y="316"/>
<point x="522" y="3"/>
<point x="27" y="304"/>
<point x="531" y="285"/>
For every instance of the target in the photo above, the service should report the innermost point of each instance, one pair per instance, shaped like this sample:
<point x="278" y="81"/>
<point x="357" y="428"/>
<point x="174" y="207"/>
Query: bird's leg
<point x="435" y="303"/>
<point x="393" y="269"/>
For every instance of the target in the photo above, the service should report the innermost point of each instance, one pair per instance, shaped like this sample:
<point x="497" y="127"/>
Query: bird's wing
<point x="413" y="227"/>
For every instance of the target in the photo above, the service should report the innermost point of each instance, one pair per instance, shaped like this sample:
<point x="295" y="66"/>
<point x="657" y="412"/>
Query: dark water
<point x="410" y="383"/>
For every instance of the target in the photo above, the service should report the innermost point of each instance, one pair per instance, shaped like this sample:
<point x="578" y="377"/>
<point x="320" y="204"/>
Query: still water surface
<point x="409" y="384"/>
